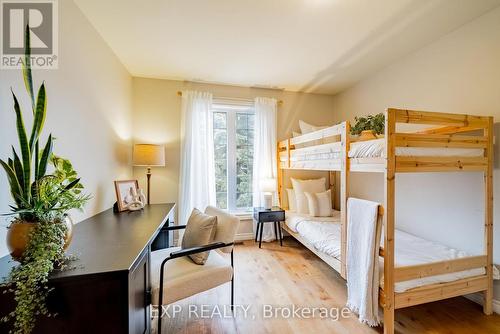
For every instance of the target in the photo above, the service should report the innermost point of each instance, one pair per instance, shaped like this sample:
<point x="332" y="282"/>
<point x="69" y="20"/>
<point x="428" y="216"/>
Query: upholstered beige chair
<point x="174" y="276"/>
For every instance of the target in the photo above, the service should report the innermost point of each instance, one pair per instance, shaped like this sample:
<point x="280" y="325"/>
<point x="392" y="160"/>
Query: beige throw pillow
<point x="200" y="231"/>
<point x="320" y="204"/>
<point x="291" y="200"/>
<point x="302" y="186"/>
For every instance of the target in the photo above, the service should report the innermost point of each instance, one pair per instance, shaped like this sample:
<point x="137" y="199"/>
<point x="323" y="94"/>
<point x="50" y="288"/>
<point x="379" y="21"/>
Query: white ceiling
<point x="320" y="46"/>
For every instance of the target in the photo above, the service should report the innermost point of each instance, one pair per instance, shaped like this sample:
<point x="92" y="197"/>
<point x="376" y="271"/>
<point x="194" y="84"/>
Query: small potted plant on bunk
<point x="369" y="127"/>
<point x="44" y="188"/>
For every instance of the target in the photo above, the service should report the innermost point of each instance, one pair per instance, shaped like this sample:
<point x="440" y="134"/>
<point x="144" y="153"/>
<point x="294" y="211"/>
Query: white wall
<point x="157" y="115"/>
<point x="459" y="73"/>
<point x="89" y="111"/>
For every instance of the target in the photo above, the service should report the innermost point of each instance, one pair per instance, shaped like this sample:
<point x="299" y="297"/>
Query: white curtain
<point x="197" y="172"/>
<point x="264" y="154"/>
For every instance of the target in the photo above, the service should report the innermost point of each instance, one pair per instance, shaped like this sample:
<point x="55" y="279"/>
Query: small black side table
<point x="274" y="215"/>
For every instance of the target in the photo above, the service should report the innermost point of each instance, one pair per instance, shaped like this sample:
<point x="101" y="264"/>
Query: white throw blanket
<point x="363" y="243"/>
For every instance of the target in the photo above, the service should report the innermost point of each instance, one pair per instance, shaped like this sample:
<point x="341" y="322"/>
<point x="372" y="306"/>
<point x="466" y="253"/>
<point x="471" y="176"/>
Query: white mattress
<point x="324" y="234"/>
<point x="376" y="148"/>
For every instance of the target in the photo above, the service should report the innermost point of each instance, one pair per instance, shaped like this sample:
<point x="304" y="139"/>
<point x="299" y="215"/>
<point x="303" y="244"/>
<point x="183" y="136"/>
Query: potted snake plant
<point x="40" y="229"/>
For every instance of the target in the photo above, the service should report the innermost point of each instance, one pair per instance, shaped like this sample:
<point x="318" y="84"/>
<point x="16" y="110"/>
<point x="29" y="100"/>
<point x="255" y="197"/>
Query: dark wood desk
<point x="109" y="290"/>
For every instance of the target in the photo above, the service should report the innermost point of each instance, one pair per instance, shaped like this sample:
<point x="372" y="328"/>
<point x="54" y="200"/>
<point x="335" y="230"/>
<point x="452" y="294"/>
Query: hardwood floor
<point x="292" y="275"/>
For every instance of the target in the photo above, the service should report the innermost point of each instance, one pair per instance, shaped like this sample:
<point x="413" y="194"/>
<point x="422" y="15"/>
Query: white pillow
<point x="292" y="204"/>
<point x="306" y="127"/>
<point x="302" y="186"/>
<point x="320" y="204"/>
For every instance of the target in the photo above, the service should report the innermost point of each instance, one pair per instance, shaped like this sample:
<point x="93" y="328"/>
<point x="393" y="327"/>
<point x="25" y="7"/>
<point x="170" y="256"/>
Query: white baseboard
<point x="244" y="236"/>
<point x="478" y="298"/>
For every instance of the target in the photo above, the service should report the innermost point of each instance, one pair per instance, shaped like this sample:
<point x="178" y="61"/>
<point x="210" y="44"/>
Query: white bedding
<point x="321" y="232"/>
<point x="324" y="234"/>
<point x="311" y="156"/>
<point x="376" y="148"/>
<point x="293" y="219"/>
<point x="327" y="165"/>
<point x="314" y="160"/>
<point x="412" y="250"/>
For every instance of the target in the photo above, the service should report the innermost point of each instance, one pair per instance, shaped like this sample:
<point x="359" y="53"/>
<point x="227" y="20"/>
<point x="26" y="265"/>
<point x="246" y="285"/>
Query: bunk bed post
<point x="488" y="221"/>
<point x="344" y="188"/>
<point x="288" y="154"/>
<point x="389" y="220"/>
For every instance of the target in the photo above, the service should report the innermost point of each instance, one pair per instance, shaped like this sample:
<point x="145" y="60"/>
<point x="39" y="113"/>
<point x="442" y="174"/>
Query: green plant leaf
<point x="38" y="122"/>
<point x="44" y="160"/>
<point x="25" y="150"/>
<point x="370" y="122"/>
<point x="26" y="65"/>
<point x="15" y="187"/>
<point x="37" y="159"/>
<point x="40" y="114"/>
<point x="18" y="167"/>
<point x="71" y="184"/>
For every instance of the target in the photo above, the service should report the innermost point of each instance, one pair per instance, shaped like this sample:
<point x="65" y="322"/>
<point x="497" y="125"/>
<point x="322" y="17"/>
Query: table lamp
<point x="268" y="187"/>
<point x="149" y="155"/>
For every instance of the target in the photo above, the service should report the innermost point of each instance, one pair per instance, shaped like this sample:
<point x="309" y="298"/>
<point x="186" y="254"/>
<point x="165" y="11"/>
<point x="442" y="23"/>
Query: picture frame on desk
<point x="122" y="190"/>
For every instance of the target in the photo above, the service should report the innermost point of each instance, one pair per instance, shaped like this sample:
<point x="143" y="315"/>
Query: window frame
<point x="231" y="110"/>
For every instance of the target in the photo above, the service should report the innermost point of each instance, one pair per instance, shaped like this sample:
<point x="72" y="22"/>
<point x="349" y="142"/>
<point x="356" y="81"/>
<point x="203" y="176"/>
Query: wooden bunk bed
<point x="448" y="135"/>
<point x="331" y="156"/>
<point x="458" y="143"/>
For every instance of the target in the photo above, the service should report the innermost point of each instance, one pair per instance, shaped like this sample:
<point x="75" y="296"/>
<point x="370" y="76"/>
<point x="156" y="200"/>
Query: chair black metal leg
<point x="260" y="235"/>
<point x="232" y="283"/>
<point x="159" y="320"/>
<point x="160" y="302"/>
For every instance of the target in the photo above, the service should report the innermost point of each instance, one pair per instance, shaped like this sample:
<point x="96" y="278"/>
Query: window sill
<point x="243" y="215"/>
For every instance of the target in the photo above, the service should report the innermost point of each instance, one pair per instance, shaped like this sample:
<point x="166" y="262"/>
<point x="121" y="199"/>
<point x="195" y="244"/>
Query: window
<point x="233" y="153"/>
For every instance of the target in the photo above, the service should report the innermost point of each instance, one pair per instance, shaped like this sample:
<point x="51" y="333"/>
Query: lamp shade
<point x="149" y="155"/>
<point x="268" y="185"/>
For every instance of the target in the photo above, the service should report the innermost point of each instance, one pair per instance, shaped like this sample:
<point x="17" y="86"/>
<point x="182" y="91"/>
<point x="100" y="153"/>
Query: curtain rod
<point x="280" y="102"/>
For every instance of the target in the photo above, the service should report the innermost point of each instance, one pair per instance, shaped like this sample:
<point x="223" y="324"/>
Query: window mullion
<point x="231" y="160"/>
